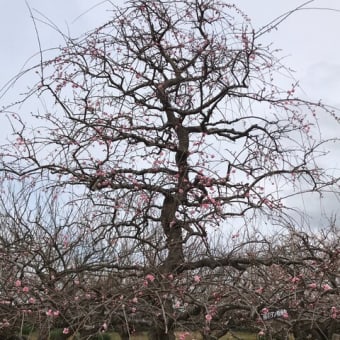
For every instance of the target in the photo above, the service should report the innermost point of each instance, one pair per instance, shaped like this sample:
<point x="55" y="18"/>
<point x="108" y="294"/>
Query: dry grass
<point x="239" y="335"/>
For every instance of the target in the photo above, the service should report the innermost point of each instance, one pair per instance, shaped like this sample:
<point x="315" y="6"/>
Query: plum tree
<point x="163" y="143"/>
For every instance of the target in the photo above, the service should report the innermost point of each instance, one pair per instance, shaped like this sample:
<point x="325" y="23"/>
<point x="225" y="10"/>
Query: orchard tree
<point x="166" y="135"/>
<point x="58" y="274"/>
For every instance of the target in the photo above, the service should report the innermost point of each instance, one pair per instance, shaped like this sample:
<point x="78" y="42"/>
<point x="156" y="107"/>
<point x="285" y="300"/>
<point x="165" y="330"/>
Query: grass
<point x="241" y="335"/>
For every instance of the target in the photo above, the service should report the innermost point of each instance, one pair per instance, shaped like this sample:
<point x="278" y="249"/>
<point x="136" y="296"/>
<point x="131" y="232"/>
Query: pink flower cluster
<point x="55" y="313"/>
<point x="208" y="317"/>
<point x="148" y="278"/>
<point x="326" y="287"/>
<point x="295" y="279"/>
<point x="197" y="278"/>
<point x="334" y="312"/>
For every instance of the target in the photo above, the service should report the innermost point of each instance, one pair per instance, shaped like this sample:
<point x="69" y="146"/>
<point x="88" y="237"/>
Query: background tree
<point x="162" y="145"/>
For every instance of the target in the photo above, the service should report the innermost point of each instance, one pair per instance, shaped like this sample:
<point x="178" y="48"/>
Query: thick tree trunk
<point x="173" y="233"/>
<point x="171" y="225"/>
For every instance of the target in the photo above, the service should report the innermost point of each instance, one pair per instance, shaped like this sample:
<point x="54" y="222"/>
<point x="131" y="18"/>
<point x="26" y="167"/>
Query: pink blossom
<point x="204" y="205"/>
<point x="49" y="312"/>
<point x="285" y="315"/>
<point x="261" y="333"/>
<point x="333" y="312"/>
<point x="295" y="279"/>
<point x="66" y="331"/>
<point x="150" y="277"/>
<point x="259" y="290"/>
<point x="25" y="289"/>
<point x="135" y="300"/>
<point x="208" y="317"/>
<point x="17" y="283"/>
<point x="326" y="287"/>
<point x="312" y="285"/>
<point x="197" y="278"/>
<point x="265" y="310"/>
<point x="31" y="300"/>
<point x="104" y="326"/>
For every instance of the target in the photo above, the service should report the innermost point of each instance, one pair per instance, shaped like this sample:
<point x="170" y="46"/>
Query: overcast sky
<point x="309" y="40"/>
